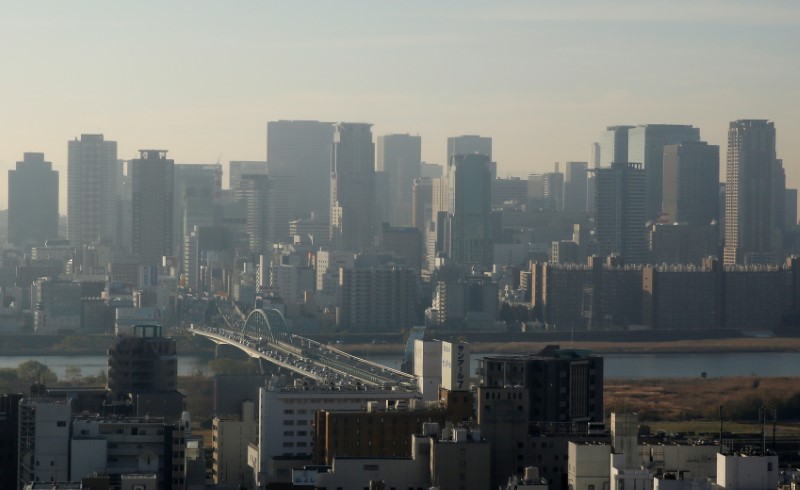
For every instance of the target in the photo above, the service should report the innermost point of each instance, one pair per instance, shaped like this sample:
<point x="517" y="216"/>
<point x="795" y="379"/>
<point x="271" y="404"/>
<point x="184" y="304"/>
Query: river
<point x="626" y="366"/>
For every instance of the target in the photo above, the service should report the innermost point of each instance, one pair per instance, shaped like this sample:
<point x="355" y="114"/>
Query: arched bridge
<point x="265" y="335"/>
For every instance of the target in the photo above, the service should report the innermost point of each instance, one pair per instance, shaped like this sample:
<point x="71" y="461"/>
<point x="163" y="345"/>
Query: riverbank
<point x="80" y="345"/>
<point x="734" y="345"/>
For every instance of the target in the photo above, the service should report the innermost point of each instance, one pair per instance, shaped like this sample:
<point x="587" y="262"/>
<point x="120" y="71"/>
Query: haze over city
<point x="200" y="79"/>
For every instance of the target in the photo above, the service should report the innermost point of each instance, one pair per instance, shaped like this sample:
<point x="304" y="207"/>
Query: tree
<point x="35" y="372"/>
<point x="72" y="373"/>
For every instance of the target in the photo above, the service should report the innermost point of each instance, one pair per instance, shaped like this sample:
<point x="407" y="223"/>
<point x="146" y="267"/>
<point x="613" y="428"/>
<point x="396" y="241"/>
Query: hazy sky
<point x="543" y="79"/>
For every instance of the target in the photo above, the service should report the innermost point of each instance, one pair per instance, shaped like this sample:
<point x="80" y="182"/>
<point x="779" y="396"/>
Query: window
<point x="61" y="423"/>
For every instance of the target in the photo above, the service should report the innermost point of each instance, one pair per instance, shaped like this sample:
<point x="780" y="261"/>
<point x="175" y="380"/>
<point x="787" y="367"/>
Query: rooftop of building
<point x="549" y="352"/>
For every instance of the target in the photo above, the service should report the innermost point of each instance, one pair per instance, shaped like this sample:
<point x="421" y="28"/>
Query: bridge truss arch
<point x="268" y="325"/>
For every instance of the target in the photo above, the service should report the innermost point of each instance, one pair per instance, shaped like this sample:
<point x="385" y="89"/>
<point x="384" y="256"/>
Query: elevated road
<point x="265" y="336"/>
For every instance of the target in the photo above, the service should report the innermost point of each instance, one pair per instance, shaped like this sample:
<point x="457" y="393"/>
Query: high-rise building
<point x="613" y="146"/>
<point x="421" y="203"/>
<point x="469" y="178"/>
<point x="399" y="156"/>
<point x="467" y="144"/>
<point x="32" y="201"/>
<point x="430" y="170"/>
<point x="152" y="176"/>
<point x="352" y="186"/>
<point x="195" y="189"/>
<point x="620" y="211"/>
<point x="594" y="155"/>
<point x="546" y="191"/>
<point x="238" y="168"/>
<point x="92" y="179"/>
<point x="646" y="146"/>
<point x="255" y="191"/>
<point x="576" y="186"/>
<point x="377" y="299"/>
<point x="300" y="151"/>
<point x="751" y="229"/>
<point x="691" y="183"/>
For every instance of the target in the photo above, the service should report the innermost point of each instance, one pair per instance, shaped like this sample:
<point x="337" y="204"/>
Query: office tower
<point x="421" y="203"/>
<point x="430" y="170"/>
<point x="576" y="186"/>
<point x="238" y="168"/>
<point x="301" y="152"/>
<point x="32" y="201"/>
<point x="196" y="186"/>
<point x="509" y="193"/>
<point x="352" y="186"/>
<point x="613" y="145"/>
<point x="400" y="157"/>
<point x="594" y="155"/>
<point x="646" y="146"/>
<point x="750" y="225"/>
<point x="470" y="241"/>
<point x="620" y="211"/>
<point x="467" y="144"/>
<point x="92" y="176"/>
<point x="152" y="177"/>
<point x="546" y="191"/>
<point x="255" y="190"/>
<point x="691" y="183"/>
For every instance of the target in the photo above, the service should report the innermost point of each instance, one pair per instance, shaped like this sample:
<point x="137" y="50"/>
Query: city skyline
<point x="217" y="78"/>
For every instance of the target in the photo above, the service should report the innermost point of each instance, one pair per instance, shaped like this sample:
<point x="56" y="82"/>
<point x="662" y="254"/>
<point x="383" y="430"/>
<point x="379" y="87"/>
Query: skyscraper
<point x="613" y="146"/>
<point x="352" y="186"/>
<point x="237" y="169"/>
<point x="32" y="201"/>
<point x="195" y="189"/>
<point x="464" y="145"/>
<point x="646" y="146"/>
<point x="399" y="156"/>
<point x="152" y="176"/>
<point x="751" y="230"/>
<point x="421" y="203"/>
<point x="256" y="191"/>
<point x="300" y="152"/>
<point x="92" y="178"/>
<point x="620" y="211"/>
<point x="469" y="177"/>
<point x="691" y="183"/>
<point x="576" y="186"/>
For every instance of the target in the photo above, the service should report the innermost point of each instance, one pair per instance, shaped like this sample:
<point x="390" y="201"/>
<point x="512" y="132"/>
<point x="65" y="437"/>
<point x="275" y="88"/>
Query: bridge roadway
<point x="319" y="362"/>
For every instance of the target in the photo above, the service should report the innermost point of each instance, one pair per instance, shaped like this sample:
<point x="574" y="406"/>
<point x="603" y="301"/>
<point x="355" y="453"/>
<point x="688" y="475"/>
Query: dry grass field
<point x="679" y="400"/>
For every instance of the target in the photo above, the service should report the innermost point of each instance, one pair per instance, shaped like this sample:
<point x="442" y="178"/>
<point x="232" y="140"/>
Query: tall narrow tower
<point x="32" y="201"/>
<point x="92" y="178"/>
<point x="352" y="186"/>
<point x="469" y="177"/>
<point x="153" y="176"/>
<point x="400" y="157"/>
<point x="752" y="234"/>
